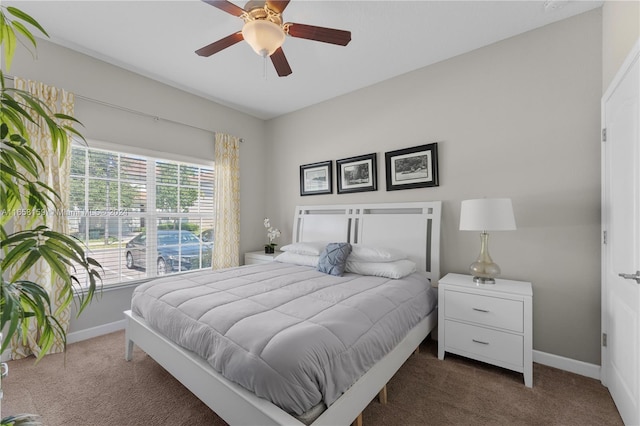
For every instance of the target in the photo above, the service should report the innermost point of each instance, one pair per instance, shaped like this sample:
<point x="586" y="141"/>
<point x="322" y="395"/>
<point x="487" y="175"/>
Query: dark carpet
<point x="98" y="387"/>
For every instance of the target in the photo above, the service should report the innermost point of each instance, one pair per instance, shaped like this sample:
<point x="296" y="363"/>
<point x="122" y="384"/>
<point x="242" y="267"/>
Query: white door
<point x="621" y="248"/>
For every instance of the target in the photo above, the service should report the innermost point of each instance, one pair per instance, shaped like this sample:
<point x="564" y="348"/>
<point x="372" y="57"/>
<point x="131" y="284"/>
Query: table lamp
<point x="486" y="214"/>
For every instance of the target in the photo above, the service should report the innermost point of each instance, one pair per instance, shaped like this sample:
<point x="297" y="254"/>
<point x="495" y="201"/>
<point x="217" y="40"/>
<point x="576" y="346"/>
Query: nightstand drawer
<point x="488" y="345"/>
<point x="485" y="310"/>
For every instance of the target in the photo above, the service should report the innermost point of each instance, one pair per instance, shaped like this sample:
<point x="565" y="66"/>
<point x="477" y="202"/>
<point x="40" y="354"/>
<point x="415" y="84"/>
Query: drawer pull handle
<point x="480" y="341"/>
<point x="480" y="310"/>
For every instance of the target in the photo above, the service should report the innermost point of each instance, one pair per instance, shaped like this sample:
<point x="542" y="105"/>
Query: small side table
<point x="492" y="323"/>
<point x="253" y="257"/>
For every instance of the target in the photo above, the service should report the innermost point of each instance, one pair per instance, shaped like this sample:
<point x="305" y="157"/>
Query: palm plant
<point x="24" y="302"/>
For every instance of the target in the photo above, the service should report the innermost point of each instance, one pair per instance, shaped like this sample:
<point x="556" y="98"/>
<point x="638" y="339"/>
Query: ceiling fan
<point x="265" y="31"/>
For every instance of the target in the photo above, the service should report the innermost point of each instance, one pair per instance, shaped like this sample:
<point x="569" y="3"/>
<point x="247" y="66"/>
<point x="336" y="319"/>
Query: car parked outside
<point x="207" y="235"/>
<point x="177" y="251"/>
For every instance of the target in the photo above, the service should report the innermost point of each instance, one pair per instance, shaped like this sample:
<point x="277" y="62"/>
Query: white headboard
<point x="413" y="228"/>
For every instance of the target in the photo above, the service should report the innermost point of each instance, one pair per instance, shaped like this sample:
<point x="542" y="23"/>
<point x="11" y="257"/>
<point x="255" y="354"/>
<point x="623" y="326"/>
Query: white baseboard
<point x="80" y="335"/>
<point x="100" y="330"/>
<point x="567" y="364"/>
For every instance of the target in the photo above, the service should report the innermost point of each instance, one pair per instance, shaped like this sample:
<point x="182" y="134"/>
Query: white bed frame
<point x="411" y="227"/>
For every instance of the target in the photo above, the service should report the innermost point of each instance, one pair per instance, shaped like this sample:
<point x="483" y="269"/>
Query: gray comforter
<point x="288" y="333"/>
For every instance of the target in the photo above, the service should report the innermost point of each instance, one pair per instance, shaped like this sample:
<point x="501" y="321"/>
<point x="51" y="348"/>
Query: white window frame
<point x="150" y="215"/>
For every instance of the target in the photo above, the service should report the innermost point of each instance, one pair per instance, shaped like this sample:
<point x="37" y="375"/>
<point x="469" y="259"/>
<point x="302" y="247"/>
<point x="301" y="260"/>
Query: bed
<point x="413" y="228"/>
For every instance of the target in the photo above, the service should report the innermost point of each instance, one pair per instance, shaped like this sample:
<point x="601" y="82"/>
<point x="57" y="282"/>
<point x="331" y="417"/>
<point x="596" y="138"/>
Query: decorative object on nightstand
<point x="272" y="234"/>
<point x="492" y="324"/>
<point x="486" y="214"/>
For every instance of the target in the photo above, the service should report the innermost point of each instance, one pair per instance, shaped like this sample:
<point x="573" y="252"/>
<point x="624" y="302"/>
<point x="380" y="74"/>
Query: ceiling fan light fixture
<point x="263" y="36"/>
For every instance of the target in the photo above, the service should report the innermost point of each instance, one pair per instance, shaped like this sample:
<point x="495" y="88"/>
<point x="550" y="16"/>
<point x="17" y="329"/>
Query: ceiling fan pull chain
<point x="264" y="67"/>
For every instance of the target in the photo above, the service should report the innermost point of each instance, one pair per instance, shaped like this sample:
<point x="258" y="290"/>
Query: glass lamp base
<point x="484" y="270"/>
<point x="483" y="280"/>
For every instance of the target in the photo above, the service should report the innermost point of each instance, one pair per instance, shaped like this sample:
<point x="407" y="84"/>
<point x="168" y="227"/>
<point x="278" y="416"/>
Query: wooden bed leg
<point x="357" y="421"/>
<point x="382" y="395"/>
<point x="128" y="348"/>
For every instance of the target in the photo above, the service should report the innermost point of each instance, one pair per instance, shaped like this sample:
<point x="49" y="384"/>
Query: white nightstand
<point x="488" y="322"/>
<point x="253" y="257"/>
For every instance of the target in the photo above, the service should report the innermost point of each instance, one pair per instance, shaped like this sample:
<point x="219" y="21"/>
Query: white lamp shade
<point x="263" y="36"/>
<point x="487" y="214"/>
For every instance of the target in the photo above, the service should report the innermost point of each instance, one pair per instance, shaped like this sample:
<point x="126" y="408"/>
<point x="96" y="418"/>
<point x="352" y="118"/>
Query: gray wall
<point x="517" y="119"/>
<point x="101" y="81"/>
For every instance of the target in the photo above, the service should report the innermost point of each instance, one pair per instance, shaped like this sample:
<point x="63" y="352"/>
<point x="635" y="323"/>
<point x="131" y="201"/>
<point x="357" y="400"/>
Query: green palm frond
<point x="22" y="301"/>
<point x="22" y="420"/>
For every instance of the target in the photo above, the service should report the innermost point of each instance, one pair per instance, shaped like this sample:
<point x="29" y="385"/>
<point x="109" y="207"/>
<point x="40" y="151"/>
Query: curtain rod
<point x="133" y="111"/>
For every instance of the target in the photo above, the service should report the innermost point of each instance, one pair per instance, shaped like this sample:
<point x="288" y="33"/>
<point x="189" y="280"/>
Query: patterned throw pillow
<point x="334" y="258"/>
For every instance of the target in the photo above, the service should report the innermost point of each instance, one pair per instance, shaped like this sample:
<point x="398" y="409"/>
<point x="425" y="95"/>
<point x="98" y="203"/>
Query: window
<point x="140" y="216"/>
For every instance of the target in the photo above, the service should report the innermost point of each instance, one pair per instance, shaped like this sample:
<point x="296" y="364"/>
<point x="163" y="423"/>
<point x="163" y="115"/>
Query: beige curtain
<point x="226" y="251"/>
<point x="56" y="174"/>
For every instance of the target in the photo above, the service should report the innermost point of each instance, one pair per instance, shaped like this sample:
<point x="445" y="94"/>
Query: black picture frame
<point x="415" y="167"/>
<point x="316" y="178"/>
<point x="357" y="174"/>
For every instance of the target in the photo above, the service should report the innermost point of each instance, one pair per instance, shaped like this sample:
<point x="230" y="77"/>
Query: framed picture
<point x="316" y="178"/>
<point x="415" y="167"/>
<point x="357" y="174"/>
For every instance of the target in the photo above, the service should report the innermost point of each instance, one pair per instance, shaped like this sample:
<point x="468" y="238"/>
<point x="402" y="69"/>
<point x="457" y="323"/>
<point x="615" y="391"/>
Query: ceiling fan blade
<point x="226" y="6"/>
<point x="326" y="35"/>
<point x="223" y="43"/>
<point x="277" y="5"/>
<point x="280" y="63"/>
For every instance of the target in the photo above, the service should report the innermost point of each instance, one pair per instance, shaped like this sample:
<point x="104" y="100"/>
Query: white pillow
<point x="365" y="253"/>
<point x="313" y="248"/>
<point x="396" y="269"/>
<point x="298" y="259"/>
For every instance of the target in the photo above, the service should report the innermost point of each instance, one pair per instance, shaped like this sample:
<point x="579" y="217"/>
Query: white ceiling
<point x="158" y="39"/>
